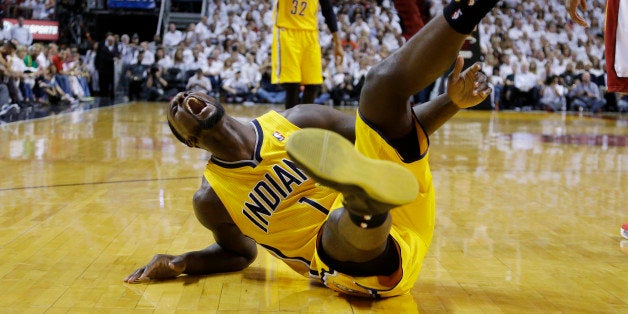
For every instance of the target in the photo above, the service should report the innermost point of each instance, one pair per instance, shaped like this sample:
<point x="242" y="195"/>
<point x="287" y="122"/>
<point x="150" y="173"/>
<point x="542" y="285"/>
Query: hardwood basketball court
<point x="529" y="208"/>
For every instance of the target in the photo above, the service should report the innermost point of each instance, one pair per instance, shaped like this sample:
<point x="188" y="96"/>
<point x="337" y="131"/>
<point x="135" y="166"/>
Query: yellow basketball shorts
<point x="412" y="229"/>
<point x="296" y="57"/>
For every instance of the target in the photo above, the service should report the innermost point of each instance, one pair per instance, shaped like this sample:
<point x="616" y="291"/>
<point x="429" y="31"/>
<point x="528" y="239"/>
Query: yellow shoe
<point x="369" y="186"/>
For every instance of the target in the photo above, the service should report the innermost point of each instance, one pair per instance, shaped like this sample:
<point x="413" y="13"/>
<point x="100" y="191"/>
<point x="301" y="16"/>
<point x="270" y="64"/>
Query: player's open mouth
<point x="198" y="107"/>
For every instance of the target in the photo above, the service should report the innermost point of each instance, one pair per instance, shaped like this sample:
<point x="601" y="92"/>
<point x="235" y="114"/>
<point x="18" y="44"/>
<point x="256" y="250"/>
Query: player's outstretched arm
<point x="233" y="251"/>
<point x="464" y="89"/>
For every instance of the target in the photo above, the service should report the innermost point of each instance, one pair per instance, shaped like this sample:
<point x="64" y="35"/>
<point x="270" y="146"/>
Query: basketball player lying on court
<point x="367" y="228"/>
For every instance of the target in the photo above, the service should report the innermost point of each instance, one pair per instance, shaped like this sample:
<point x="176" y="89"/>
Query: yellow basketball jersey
<point x="296" y="14"/>
<point x="266" y="196"/>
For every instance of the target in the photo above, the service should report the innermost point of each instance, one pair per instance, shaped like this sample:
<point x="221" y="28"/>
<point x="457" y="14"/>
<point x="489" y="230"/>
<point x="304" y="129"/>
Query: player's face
<point x="191" y="113"/>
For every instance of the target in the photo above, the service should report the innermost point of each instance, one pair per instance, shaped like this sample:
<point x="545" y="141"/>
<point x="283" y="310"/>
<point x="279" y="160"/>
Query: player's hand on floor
<point x="162" y="266"/>
<point x="469" y="88"/>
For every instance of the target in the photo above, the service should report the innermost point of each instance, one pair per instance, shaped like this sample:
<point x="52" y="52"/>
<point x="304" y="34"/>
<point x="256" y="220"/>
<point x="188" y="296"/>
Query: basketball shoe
<point x="369" y="186"/>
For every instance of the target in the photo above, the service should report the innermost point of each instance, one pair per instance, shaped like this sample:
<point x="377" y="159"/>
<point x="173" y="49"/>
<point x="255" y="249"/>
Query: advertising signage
<point x="41" y="29"/>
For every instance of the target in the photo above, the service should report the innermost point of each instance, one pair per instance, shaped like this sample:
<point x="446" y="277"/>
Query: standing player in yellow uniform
<point x="371" y="240"/>
<point x="296" y="51"/>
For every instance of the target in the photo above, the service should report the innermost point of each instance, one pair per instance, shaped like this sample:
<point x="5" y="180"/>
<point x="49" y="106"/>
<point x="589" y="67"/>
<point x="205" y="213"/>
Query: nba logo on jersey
<point x="278" y="136"/>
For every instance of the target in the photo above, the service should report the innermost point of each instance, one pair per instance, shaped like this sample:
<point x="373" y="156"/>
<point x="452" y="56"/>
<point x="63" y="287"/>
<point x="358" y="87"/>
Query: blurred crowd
<point x="29" y="9"/>
<point x="232" y="46"/>
<point x="536" y="58"/>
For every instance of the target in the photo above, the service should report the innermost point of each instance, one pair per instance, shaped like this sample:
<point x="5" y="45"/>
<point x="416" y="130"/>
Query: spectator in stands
<point x="266" y="91"/>
<point x="553" y="95"/>
<point x="78" y="80"/>
<point x="54" y="95"/>
<point x="30" y="60"/>
<point x="523" y="88"/>
<point x="197" y="60"/>
<point x="347" y="43"/>
<point x="586" y="95"/>
<point x="190" y="36"/>
<point x="157" y="87"/>
<point x="107" y="53"/>
<point x="23" y="75"/>
<point x="213" y="70"/>
<point x="249" y="69"/>
<point x="136" y="73"/>
<point x="172" y="38"/>
<point x="43" y="58"/>
<point x="345" y="93"/>
<point x="5" y="34"/>
<point x="595" y="69"/>
<point x="155" y="43"/>
<point x="237" y="89"/>
<point x="57" y="58"/>
<point x="39" y="10"/>
<point x="9" y="77"/>
<point x="202" y="29"/>
<point x="5" y="72"/>
<point x="84" y="78"/>
<point x="497" y="82"/>
<point x="198" y="82"/>
<point x="21" y="34"/>
<point x="235" y="55"/>
<point x="148" y="56"/>
<point x="50" y="9"/>
<point x="90" y="63"/>
<point x="126" y="52"/>
<point x="569" y="76"/>
<point x="178" y="60"/>
<point x="126" y="49"/>
<point x="135" y="41"/>
<point x="163" y="59"/>
<point x="359" y="75"/>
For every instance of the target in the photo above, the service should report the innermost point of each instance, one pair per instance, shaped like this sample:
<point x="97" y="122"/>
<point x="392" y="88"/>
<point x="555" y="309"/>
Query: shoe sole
<point x="376" y="185"/>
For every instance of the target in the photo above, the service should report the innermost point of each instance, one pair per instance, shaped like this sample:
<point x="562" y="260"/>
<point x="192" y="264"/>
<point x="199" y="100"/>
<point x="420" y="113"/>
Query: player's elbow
<point x="202" y="208"/>
<point x="249" y="255"/>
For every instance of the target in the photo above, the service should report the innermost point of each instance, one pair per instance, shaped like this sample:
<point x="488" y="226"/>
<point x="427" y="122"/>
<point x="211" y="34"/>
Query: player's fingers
<point x="133" y="277"/>
<point x="458" y="67"/>
<point x="576" y="16"/>
<point x="144" y="276"/>
<point x="585" y="7"/>
<point x="485" y="92"/>
<point x="479" y="75"/>
<point x="580" y="20"/>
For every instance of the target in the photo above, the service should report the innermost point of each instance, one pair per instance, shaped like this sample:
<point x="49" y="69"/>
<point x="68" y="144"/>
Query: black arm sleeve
<point x="330" y="17"/>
